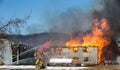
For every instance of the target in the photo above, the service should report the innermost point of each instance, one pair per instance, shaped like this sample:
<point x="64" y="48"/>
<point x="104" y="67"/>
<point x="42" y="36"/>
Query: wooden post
<point x="17" y="54"/>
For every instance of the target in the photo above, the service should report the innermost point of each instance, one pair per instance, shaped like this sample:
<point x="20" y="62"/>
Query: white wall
<point x="7" y="53"/>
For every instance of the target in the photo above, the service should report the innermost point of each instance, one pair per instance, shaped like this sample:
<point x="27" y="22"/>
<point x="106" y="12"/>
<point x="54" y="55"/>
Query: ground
<point x="60" y="68"/>
<point x="103" y="68"/>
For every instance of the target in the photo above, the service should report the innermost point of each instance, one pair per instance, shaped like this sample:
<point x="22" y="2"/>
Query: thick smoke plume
<point x="111" y="12"/>
<point x="71" y="21"/>
<point x="74" y="20"/>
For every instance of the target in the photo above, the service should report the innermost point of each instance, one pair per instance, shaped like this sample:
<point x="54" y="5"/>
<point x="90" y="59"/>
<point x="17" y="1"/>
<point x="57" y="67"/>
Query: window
<point x="85" y="49"/>
<point x="86" y="59"/>
<point x="75" y="49"/>
<point x="59" y="49"/>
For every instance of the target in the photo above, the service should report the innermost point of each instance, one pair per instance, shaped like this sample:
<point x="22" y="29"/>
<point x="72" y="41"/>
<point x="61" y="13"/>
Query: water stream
<point x="26" y="60"/>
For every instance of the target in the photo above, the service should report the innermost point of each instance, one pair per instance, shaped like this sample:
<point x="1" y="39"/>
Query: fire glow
<point x="97" y="37"/>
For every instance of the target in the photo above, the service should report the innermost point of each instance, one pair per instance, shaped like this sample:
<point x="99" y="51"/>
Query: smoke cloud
<point x="72" y="20"/>
<point x="111" y="12"/>
<point x="75" y="20"/>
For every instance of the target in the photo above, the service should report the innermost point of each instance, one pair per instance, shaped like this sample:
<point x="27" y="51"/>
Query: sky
<point x="39" y="10"/>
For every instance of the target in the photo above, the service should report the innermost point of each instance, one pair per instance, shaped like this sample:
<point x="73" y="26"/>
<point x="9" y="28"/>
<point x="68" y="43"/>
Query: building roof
<point x="38" y="39"/>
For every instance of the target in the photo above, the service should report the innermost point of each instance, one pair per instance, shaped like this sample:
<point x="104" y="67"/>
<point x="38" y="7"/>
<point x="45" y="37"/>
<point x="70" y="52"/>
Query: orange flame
<point x="98" y="37"/>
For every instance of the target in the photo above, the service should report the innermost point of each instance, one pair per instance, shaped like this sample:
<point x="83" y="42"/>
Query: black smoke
<point x="111" y="12"/>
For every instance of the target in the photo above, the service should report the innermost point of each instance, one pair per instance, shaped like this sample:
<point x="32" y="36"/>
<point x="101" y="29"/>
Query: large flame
<point x="97" y="37"/>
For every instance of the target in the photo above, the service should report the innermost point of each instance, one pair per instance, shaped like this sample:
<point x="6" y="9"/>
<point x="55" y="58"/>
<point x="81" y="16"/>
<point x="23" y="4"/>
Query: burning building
<point x="78" y="55"/>
<point x="99" y="36"/>
<point x="104" y="28"/>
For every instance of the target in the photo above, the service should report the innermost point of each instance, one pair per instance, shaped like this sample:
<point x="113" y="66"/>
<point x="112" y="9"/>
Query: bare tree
<point x="7" y="27"/>
<point x="12" y="25"/>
